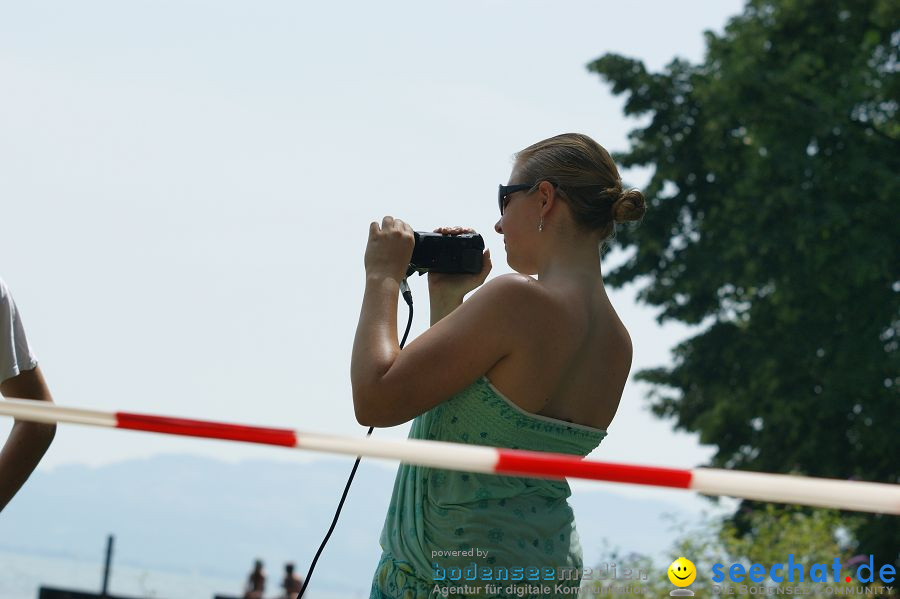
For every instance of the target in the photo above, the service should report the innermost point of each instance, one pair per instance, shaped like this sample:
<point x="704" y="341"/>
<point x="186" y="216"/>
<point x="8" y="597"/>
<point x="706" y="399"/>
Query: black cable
<point x="407" y="297"/>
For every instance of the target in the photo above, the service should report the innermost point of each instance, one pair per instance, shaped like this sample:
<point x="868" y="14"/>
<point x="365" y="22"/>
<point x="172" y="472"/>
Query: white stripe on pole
<point x="434" y="454"/>
<point x="821" y="492"/>
<point x="43" y="411"/>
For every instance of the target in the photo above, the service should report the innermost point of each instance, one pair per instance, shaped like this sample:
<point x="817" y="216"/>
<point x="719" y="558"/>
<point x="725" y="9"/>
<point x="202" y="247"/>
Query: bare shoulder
<point x="534" y="309"/>
<point x="515" y="287"/>
<point x="624" y="337"/>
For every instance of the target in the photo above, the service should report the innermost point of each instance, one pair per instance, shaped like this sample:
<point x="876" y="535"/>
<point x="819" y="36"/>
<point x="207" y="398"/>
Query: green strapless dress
<point x="519" y="522"/>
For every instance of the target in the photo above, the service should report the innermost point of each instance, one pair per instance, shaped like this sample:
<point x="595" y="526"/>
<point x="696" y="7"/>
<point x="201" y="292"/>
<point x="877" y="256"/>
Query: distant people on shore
<point x="20" y="377"/>
<point x="256" y="584"/>
<point x="292" y="582"/>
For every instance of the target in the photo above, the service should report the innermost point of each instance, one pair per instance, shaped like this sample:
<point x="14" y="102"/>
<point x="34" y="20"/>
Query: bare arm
<point x="28" y="441"/>
<point x="447" y="291"/>
<point x="441" y="307"/>
<point x="375" y="346"/>
<point x="390" y="386"/>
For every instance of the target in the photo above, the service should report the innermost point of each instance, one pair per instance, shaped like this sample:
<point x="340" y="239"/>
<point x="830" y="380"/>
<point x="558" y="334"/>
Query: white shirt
<point x="15" y="354"/>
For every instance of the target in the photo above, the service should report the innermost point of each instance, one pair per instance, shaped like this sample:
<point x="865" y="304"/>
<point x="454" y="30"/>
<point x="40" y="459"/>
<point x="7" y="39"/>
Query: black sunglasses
<point x="505" y="190"/>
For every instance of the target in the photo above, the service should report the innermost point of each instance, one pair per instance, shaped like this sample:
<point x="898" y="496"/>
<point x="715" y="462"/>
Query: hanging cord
<point x="407" y="296"/>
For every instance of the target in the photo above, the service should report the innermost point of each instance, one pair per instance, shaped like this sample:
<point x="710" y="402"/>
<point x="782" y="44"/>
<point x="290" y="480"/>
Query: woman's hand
<point x="446" y="286"/>
<point x="389" y="249"/>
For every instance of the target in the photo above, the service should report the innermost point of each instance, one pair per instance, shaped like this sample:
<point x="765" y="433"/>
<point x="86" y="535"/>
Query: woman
<point x="525" y="363"/>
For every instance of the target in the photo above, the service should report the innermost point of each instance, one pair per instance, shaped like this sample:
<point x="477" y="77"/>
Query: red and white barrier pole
<point x="781" y="488"/>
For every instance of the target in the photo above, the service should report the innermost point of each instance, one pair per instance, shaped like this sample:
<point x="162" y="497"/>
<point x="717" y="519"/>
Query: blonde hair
<point x="587" y="178"/>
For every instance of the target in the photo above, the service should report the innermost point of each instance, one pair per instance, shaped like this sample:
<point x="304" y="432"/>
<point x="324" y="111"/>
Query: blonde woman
<point x="535" y="360"/>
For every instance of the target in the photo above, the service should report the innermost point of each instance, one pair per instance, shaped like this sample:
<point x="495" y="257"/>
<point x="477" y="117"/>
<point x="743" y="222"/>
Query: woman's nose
<point x="497" y="227"/>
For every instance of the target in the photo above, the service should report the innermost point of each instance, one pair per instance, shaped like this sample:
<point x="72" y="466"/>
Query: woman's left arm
<point x="391" y="386"/>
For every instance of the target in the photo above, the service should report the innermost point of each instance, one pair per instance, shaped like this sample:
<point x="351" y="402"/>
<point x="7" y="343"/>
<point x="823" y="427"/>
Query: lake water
<point x="22" y="574"/>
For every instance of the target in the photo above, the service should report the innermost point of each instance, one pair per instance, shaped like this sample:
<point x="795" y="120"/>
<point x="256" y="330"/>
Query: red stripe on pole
<point x="203" y="428"/>
<point x="520" y="462"/>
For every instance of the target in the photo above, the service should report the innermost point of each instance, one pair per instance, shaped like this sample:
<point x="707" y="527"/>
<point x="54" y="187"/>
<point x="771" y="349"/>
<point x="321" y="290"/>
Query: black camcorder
<point x="433" y="252"/>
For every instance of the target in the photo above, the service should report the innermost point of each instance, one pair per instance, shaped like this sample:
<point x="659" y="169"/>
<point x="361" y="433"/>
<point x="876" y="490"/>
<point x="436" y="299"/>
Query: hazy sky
<point x="186" y="189"/>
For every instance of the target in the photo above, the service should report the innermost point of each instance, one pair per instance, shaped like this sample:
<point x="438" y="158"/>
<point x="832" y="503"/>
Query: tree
<point x="772" y="216"/>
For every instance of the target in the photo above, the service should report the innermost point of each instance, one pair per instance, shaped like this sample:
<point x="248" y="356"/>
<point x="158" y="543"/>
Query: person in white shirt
<point x="20" y="377"/>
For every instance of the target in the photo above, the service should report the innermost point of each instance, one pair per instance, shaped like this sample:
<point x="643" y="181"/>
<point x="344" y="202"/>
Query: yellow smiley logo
<point x="682" y="572"/>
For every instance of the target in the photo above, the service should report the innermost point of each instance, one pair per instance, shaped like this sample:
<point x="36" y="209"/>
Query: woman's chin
<point x="520" y="266"/>
<point x="522" y="269"/>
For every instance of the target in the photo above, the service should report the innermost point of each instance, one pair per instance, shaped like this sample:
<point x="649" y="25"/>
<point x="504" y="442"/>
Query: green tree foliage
<point x="773" y="219"/>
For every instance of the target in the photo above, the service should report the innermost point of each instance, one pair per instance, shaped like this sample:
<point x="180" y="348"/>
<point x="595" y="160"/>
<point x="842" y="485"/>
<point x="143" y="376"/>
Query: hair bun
<point x="629" y="206"/>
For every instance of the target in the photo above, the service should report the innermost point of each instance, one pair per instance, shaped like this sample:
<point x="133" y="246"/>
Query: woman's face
<point x="519" y="224"/>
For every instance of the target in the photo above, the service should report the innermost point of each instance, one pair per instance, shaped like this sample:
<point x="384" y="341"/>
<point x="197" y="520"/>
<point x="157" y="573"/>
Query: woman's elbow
<point x="369" y="412"/>
<point x="362" y="417"/>
<point x="362" y="408"/>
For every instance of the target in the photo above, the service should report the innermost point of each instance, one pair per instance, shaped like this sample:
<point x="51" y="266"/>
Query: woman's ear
<point x="548" y="196"/>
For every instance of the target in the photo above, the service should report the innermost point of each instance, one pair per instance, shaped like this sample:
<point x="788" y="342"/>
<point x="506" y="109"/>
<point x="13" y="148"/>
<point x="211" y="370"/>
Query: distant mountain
<point x="192" y="514"/>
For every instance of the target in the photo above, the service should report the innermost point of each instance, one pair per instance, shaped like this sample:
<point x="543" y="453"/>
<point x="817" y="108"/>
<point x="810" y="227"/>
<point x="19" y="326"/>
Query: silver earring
<point x="541" y="225"/>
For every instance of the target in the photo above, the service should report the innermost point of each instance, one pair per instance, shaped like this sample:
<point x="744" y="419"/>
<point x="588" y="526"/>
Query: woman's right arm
<point x="441" y="306"/>
<point x="447" y="291"/>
